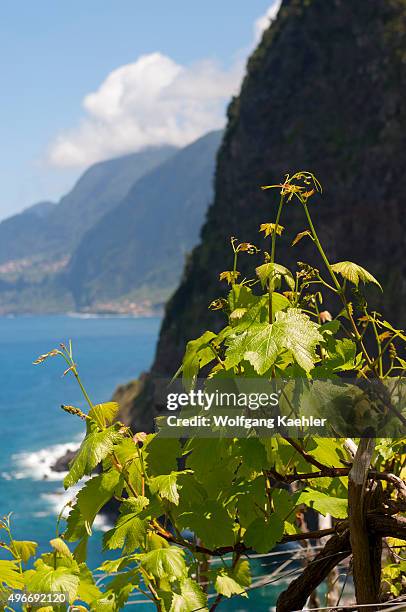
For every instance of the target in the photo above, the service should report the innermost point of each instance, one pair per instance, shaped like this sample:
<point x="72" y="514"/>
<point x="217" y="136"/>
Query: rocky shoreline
<point x="62" y="464"/>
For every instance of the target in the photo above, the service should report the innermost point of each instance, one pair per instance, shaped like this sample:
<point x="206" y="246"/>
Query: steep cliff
<point x="323" y="92"/>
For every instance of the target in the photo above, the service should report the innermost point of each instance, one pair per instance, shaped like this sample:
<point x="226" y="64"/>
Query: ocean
<point x="35" y="431"/>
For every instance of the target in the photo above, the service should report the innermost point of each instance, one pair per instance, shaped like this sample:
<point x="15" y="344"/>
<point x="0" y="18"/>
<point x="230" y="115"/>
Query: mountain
<point x="138" y="249"/>
<point x="323" y="92"/>
<point x="40" y="210"/>
<point x="36" y="245"/>
<point x="117" y="242"/>
<point x="18" y="234"/>
<point x="47" y="231"/>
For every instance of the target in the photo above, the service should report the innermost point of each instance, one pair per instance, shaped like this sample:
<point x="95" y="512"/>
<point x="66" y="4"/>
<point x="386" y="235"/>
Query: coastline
<point x="137" y="312"/>
<point x="110" y="350"/>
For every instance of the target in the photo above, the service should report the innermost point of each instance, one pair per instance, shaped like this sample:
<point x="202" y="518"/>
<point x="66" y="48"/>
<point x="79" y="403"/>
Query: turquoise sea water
<point x="35" y="431"/>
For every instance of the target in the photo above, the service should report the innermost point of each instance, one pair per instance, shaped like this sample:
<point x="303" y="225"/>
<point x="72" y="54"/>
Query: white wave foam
<point x="37" y="465"/>
<point x="95" y="315"/>
<point x="83" y="315"/>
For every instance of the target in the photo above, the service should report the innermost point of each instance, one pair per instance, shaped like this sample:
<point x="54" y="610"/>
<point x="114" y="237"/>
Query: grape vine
<point x="183" y="503"/>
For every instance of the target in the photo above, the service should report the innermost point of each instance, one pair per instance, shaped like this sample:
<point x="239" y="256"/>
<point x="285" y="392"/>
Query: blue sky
<point x="85" y="80"/>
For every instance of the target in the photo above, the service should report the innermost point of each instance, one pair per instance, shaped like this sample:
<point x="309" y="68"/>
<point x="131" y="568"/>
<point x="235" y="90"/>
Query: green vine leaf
<point x="198" y="354"/>
<point x="104" y="414"/>
<point x="161" y="454"/>
<point x="273" y="271"/>
<point x="164" y="563"/>
<point x="47" y="579"/>
<point x="354" y="273"/>
<point x="128" y="534"/>
<point x="87" y="590"/>
<point x="10" y="575"/>
<point x="327" y="451"/>
<point x="130" y="530"/>
<point x="241" y="296"/>
<point x="262" y="535"/>
<point x="190" y="598"/>
<point x="24" y="549"/>
<point x="166" y="486"/>
<point x="94" y="448"/>
<point x="95" y="494"/>
<point x="234" y="581"/>
<point x="118" y="591"/>
<point x="323" y="503"/>
<point x="341" y="355"/>
<point x="292" y="330"/>
<point x="211" y="523"/>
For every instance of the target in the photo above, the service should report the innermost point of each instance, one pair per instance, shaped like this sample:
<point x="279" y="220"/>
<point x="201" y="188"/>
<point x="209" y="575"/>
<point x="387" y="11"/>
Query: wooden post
<point x="366" y="562"/>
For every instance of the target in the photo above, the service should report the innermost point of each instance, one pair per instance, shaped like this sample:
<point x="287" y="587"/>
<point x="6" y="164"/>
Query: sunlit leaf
<point x="166" y="486"/>
<point x="60" y="547"/>
<point x="130" y="531"/>
<point x="292" y="330"/>
<point x="323" y="503"/>
<point x="47" y="579"/>
<point x="354" y="273"/>
<point x="299" y="236"/>
<point x="10" y="575"/>
<point x="24" y="549"/>
<point x="234" y="581"/>
<point x="271" y="228"/>
<point x="94" y="448"/>
<point x="164" y="562"/>
<point x="95" y="494"/>
<point x="271" y="271"/>
<point x="190" y="598"/>
<point x="104" y="414"/>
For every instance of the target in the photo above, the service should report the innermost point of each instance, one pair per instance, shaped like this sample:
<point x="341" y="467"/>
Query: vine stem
<point x="273" y="247"/>
<point x="73" y="369"/>
<point x="87" y="398"/>
<point x="321" y="250"/>
<point x="379" y="358"/>
<point x="340" y="290"/>
<point x="121" y="470"/>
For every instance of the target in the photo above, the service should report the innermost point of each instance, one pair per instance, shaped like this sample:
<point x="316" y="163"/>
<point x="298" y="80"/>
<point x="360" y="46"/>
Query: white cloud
<point x="149" y="102"/>
<point x="262" y="23"/>
<point x="152" y="101"/>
